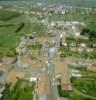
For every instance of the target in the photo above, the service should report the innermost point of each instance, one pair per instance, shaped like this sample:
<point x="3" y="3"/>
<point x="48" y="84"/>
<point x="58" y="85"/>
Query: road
<point x="53" y="87"/>
<point x="27" y="69"/>
<point x="51" y="70"/>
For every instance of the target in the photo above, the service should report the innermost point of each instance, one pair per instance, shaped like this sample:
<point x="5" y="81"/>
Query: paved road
<point x="54" y="91"/>
<point x="27" y="69"/>
<point x="51" y="71"/>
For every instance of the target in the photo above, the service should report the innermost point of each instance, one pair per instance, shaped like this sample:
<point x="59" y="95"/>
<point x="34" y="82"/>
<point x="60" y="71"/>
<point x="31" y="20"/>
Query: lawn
<point x="39" y="29"/>
<point x="70" y="95"/>
<point x="23" y="90"/>
<point x="35" y="47"/>
<point x="12" y="28"/>
<point x="91" y="26"/>
<point x="8" y="39"/>
<point x="6" y="15"/>
<point x="85" y="85"/>
<point x="11" y="34"/>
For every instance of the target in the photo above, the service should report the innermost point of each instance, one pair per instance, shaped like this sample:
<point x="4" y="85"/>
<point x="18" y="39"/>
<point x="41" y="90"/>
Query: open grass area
<point x="85" y="85"/>
<point x="91" y="26"/>
<point x="88" y="73"/>
<point x="74" y="16"/>
<point x="23" y="90"/>
<point x="35" y="47"/>
<point x="6" y="15"/>
<point x="9" y="39"/>
<point x="18" y="19"/>
<point x="82" y="88"/>
<point x="70" y="95"/>
<point x="38" y="29"/>
<point x="12" y="28"/>
<point x="11" y="34"/>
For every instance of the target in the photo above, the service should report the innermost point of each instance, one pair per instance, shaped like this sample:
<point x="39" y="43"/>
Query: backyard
<point x="23" y="90"/>
<point x="85" y="85"/>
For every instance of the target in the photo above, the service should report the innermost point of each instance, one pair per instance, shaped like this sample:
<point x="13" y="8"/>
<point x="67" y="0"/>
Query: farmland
<point x="12" y="27"/>
<point x="9" y="14"/>
<point x="88" y="3"/>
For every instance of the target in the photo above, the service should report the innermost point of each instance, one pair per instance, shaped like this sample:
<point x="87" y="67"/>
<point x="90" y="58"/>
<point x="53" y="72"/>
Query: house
<point x="14" y="75"/>
<point x="8" y="60"/>
<point x="62" y="72"/>
<point x="42" y="83"/>
<point x="92" y="66"/>
<point x="75" y="73"/>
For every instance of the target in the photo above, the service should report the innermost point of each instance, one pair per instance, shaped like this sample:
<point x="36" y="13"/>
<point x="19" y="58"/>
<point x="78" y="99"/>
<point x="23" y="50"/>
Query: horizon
<point x="86" y="3"/>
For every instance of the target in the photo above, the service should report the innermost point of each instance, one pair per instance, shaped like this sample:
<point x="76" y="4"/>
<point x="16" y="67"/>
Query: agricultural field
<point x="23" y="90"/>
<point x="72" y="95"/>
<point x="9" y="39"/>
<point x="10" y="15"/>
<point x="92" y="26"/>
<point x="12" y="28"/>
<point x="75" y="15"/>
<point x="86" y="85"/>
<point x="88" y="3"/>
<point x="82" y="88"/>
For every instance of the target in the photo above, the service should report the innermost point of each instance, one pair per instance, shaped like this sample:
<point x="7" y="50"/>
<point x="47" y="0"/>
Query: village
<point x="61" y="64"/>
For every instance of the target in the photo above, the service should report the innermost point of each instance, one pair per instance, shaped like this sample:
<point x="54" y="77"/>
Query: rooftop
<point x="13" y="75"/>
<point x="62" y="70"/>
<point x="43" y="86"/>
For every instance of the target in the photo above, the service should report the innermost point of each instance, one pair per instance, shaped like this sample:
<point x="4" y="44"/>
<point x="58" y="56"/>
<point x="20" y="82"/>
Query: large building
<point x="63" y="73"/>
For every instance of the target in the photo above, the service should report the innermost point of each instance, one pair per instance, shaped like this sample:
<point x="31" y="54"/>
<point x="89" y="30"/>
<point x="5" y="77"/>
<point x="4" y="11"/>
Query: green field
<point x="92" y="26"/>
<point x="6" y="15"/>
<point x="35" y="47"/>
<point x="85" y="85"/>
<point x="9" y="38"/>
<point x="75" y="16"/>
<point x="80" y="88"/>
<point x="23" y="90"/>
<point x="70" y="95"/>
<point x="12" y="30"/>
<point x="88" y="3"/>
